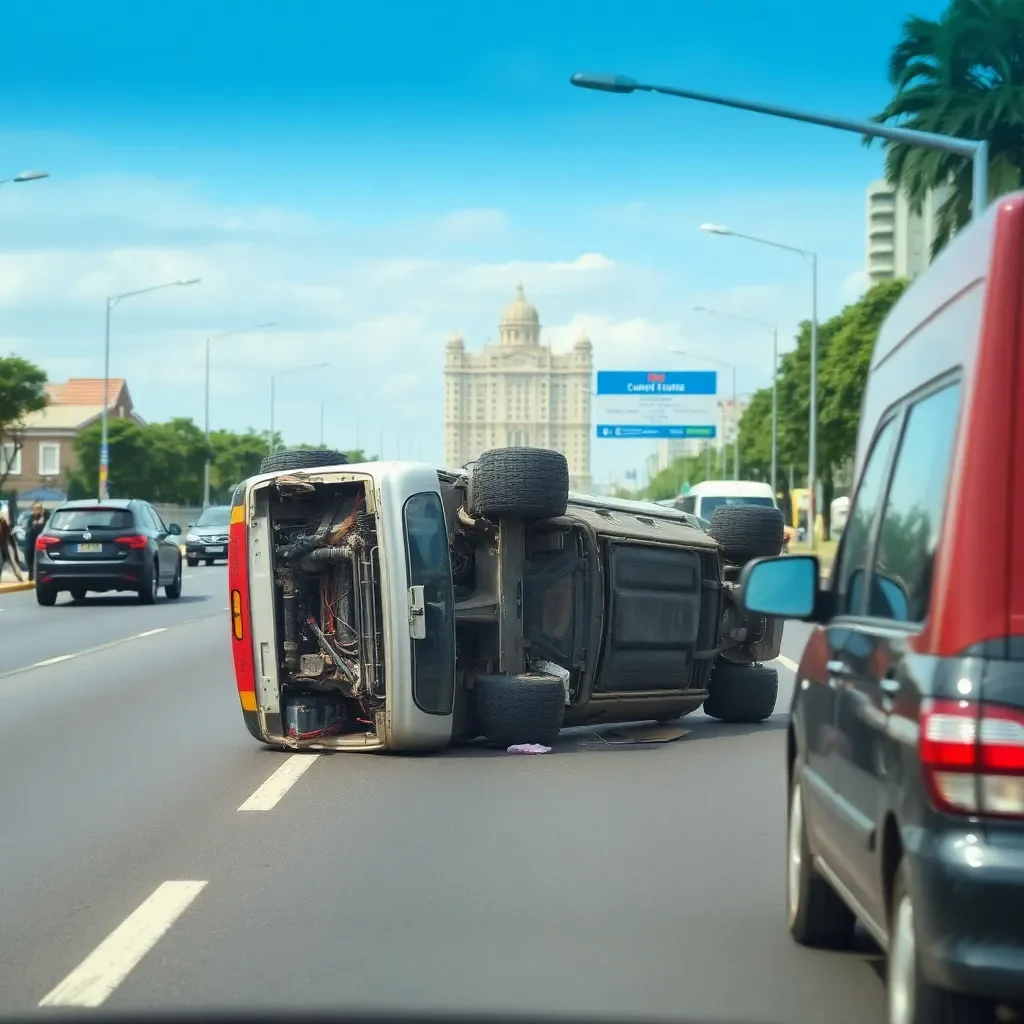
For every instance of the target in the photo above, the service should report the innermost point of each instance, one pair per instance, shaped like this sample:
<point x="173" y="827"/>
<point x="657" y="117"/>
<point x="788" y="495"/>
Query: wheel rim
<point x="795" y="857"/>
<point x="902" y="964"/>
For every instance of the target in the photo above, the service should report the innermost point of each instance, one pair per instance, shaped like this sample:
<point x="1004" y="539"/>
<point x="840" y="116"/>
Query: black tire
<point x="192" y="562"/>
<point x="817" y="916"/>
<point x="912" y="998"/>
<point x="741" y="693"/>
<point x="46" y="595"/>
<point x="528" y="483"/>
<point x="173" y="589"/>
<point x="78" y="593"/>
<point x="150" y="585"/>
<point x="519" y="709"/>
<point x="748" y="531"/>
<point x="302" y="458"/>
<point x="210" y="561"/>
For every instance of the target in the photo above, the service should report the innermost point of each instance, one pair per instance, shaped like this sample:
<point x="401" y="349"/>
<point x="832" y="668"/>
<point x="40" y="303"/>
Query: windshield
<point x="709" y="504"/>
<point x="91" y="519"/>
<point x="219" y="515"/>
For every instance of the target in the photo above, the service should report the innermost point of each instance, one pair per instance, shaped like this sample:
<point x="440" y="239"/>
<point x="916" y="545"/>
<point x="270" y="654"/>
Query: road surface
<point x="625" y="881"/>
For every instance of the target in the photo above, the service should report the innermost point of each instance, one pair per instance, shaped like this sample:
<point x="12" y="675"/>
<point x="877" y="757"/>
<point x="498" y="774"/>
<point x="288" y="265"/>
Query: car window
<point x="902" y="572"/>
<point x="426" y="538"/>
<point x="91" y="518"/>
<point x="687" y="504"/>
<point x="853" y="552"/>
<point x="710" y="503"/>
<point x="161" y="526"/>
<point x="218" y="515"/>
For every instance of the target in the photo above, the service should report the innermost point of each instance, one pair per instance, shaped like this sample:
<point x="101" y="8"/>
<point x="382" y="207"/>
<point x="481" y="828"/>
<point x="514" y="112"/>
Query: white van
<point x="704" y="498"/>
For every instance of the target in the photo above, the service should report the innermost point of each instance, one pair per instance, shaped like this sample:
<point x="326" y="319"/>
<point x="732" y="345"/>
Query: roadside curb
<point x="13" y="588"/>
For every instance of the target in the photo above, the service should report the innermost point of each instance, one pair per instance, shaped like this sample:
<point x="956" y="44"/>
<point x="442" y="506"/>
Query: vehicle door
<point x="875" y="677"/>
<point x="167" y="544"/>
<point x="815" y="704"/>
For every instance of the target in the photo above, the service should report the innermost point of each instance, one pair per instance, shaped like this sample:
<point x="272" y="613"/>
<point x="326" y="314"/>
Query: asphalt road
<point x="613" y="880"/>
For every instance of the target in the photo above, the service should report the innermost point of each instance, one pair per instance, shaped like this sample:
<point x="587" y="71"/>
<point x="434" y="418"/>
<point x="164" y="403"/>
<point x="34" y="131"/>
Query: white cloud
<point x="471" y="225"/>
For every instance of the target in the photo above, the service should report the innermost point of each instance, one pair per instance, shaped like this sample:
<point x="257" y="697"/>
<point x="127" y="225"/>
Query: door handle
<point x="836" y="668"/>
<point x="417" y="614"/>
<point x="889" y="685"/>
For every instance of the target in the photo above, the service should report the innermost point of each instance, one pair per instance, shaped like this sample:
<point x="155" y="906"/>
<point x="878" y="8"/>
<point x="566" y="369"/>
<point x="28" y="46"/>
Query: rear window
<point x="91" y="519"/>
<point x="218" y="516"/>
<point x="709" y="504"/>
<point x="433" y="657"/>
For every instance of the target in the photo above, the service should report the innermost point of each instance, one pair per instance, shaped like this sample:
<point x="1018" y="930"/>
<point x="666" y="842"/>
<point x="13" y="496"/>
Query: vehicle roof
<point x="731" y="489"/>
<point x="97" y="503"/>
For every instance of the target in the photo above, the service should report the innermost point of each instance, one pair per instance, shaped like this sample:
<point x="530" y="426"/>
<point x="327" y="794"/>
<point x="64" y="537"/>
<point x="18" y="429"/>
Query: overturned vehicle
<point x="392" y="606"/>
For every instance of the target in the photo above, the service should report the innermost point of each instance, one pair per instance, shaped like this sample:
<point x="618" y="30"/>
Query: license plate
<point x="90" y="549"/>
<point x="215" y="551"/>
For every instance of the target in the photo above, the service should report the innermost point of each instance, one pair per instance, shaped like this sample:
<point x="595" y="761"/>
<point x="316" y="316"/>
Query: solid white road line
<point x="268" y="795"/>
<point x="99" y="974"/>
<point x="787" y="663"/>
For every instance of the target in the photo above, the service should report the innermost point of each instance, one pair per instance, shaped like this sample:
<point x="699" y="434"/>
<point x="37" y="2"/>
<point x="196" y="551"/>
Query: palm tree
<point x="962" y="75"/>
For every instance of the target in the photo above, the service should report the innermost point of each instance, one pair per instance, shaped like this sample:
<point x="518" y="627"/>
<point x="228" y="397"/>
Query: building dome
<point x="520" y="323"/>
<point x="519" y="312"/>
<point x="455" y="340"/>
<point x="582" y="343"/>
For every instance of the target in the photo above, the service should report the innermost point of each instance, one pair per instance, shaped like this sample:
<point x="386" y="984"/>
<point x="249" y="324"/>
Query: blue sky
<point x="373" y="178"/>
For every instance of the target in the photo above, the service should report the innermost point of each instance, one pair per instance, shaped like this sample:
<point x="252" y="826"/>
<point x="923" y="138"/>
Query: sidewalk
<point x="9" y="583"/>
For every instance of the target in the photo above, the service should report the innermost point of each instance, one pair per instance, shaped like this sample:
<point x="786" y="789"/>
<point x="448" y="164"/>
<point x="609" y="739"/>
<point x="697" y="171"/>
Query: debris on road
<point x="529" y="748"/>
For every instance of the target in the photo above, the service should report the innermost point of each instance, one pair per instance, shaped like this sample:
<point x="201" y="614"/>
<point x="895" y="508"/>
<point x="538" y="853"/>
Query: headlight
<point x="192" y="536"/>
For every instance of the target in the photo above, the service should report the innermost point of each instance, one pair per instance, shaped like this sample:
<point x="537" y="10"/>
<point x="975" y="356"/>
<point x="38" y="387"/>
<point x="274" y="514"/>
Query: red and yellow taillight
<point x="238" y="600"/>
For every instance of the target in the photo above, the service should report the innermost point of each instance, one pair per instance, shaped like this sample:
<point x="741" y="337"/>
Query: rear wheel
<point x="741" y="693"/>
<point x="173" y="589"/>
<point x="46" y="595"/>
<point x="519" y="709"/>
<point x="817" y="916"/>
<point x="150" y="585"/>
<point x="78" y="593"/>
<point x="302" y="458"/>
<point x="524" y="483"/>
<point x="912" y="998"/>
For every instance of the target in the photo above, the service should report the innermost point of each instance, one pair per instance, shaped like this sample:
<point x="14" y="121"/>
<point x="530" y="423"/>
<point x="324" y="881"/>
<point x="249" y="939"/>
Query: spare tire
<point x="747" y="531"/>
<point x="741" y="693"/>
<point x="519" y="709"/>
<point x="302" y="458"/>
<point x="528" y="483"/>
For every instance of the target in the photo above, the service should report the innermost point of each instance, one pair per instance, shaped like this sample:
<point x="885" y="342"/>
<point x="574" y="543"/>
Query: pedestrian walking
<point x="8" y="549"/>
<point x="33" y="528"/>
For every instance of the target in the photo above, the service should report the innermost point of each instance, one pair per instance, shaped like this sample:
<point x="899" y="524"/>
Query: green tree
<point x="962" y="75"/>
<point x="233" y="458"/>
<point x="131" y="468"/>
<point x="22" y="391"/>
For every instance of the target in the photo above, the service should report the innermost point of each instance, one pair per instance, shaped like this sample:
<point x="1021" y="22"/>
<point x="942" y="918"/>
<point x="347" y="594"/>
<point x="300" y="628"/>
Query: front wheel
<point x="192" y="562"/>
<point x="78" y="593"/>
<point x="912" y="998"/>
<point x="210" y="561"/>
<point x="816" y="914"/>
<point x="741" y="693"/>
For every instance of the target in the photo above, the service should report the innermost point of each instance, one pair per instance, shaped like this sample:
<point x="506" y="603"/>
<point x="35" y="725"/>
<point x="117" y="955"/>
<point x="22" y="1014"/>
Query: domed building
<point x="519" y="392"/>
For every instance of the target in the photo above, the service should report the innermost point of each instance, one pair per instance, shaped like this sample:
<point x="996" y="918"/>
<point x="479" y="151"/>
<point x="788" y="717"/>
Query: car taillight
<point x="973" y="757"/>
<point x="42" y="543"/>
<point x="238" y="589"/>
<point x="136" y="542"/>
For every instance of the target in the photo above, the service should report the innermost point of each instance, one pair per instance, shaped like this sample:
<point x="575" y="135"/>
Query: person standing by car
<point x="33" y="528"/>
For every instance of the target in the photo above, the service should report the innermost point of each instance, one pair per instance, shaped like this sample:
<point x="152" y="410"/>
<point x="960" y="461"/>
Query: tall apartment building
<point x="519" y="392"/>
<point x="898" y="242"/>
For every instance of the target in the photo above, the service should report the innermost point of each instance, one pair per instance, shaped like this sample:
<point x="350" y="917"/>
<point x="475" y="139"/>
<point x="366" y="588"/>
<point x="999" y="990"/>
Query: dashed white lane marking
<point x="53" y="661"/>
<point x="268" y="795"/>
<point x="149" y="632"/>
<point x="99" y="974"/>
<point x="787" y="663"/>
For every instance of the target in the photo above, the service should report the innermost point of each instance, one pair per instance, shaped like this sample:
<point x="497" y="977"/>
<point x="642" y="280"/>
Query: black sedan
<point x="207" y="537"/>
<point x="108" y="545"/>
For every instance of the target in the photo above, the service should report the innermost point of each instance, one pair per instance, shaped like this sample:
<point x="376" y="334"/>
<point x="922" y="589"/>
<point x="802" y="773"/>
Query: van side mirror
<point x="784" y="587"/>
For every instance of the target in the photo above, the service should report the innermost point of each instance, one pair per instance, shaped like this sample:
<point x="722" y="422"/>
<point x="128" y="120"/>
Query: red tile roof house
<point x="47" y="454"/>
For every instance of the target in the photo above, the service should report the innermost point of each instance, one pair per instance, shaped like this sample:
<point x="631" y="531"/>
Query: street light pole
<point x="735" y="406"/>
<point x="112" y="301"/>
<point x="775" y="377"/>
<point x="273" y="379"/>
<point x="206" y="402"/>
<point x="975" y="150"/>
